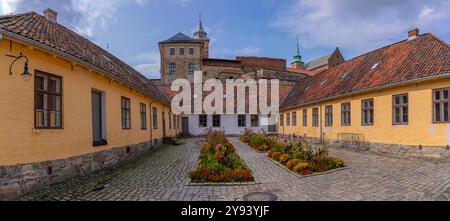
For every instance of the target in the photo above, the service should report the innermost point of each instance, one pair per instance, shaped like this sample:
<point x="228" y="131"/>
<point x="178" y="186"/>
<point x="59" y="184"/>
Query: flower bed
<point x="298" y="156"/>
<point x="260" y="142"/>
<point x="304" y="159"/>
<point x="219" y="162"/>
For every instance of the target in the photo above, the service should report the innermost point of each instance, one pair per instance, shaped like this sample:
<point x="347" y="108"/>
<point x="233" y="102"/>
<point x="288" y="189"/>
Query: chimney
<point x="51" y="15"/>
<point x="413" y="33"/>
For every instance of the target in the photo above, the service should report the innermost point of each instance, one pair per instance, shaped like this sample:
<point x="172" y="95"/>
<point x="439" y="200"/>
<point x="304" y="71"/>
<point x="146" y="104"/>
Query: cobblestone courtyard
<point x="163" y="175"/>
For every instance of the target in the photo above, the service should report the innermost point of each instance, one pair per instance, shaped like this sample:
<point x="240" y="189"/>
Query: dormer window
<point x="375" y="66"/>
<point x="344" y="76"/>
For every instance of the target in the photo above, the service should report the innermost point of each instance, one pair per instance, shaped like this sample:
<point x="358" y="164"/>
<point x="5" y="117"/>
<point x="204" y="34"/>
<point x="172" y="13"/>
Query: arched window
<point x="172" y="68"/>
<point x="192" y="68"/>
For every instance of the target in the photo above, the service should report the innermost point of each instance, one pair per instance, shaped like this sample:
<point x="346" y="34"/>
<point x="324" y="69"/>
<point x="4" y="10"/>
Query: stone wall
<point x="395" y="150"/>
<point x="263" y="63"/>
<point x="18" y="180"/>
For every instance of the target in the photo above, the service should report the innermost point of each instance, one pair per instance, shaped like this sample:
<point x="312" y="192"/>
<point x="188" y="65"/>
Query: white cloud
<point x="8" y="6"/>
<point x="231" y="53"/>
<point x="149" y="64"/>
<point x="360" y="25"/>
<point x="95" y="13"/>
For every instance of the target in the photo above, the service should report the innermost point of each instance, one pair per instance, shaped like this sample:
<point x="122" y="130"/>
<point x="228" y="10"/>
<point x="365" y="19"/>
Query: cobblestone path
<point x="163" y="175"/>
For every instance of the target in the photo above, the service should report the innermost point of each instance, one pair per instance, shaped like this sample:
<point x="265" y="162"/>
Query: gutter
<point x="65" y="55"/>
<point x="368" y="90"/>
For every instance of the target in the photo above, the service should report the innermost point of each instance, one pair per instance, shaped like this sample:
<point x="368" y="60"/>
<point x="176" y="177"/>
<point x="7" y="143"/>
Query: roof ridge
<point x="437" y="38"/>
<point x="17" y="15"/>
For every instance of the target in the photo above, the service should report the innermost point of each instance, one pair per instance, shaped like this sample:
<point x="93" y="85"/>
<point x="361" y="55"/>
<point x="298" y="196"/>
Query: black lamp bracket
<point x="16" y="58"/>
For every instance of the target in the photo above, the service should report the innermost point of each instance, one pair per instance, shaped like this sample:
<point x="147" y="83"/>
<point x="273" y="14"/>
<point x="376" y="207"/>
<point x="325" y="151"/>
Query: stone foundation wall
<point x="396" y="150"/>
<point x="18" y="180"/>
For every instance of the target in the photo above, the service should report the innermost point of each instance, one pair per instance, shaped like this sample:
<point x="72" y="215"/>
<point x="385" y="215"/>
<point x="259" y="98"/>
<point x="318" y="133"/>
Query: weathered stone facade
<point x="182" y="61"/>
<point x="18" y="180"/>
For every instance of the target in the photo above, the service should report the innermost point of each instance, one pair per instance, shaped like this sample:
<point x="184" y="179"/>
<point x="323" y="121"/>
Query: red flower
<point x="218" y="157"/>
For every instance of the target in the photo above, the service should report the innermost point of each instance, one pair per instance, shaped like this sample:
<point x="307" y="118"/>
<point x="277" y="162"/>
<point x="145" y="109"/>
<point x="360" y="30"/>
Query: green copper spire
<point x="298" y="57"/>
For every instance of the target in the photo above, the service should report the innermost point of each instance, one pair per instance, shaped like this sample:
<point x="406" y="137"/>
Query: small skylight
<point x="323" y="82"/>
<point x="345" y="75"/>
<point x="307" y="88"/>
<point x="375" y="66"/>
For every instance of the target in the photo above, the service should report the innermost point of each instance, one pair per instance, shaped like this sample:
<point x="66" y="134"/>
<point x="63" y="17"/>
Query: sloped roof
<point x="320" y="62"/>
<point x="180" y="38"/>
<point x="299" y="71"/>
<point x="38" y="30"/>
<point x="409" y="60"/>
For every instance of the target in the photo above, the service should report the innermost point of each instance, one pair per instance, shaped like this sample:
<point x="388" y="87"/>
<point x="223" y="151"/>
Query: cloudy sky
<point x="132" y="28"/>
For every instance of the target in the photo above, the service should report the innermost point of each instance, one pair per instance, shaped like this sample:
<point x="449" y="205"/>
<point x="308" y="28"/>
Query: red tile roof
<point x="297" y="71"/>
<point x="39" y="30"/>
<point x="424" y="57"/>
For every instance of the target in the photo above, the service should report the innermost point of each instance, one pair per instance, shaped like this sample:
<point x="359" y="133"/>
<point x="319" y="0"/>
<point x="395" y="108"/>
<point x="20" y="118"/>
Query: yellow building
<point x="394" y="99"/>
<point x="69" y="107"/>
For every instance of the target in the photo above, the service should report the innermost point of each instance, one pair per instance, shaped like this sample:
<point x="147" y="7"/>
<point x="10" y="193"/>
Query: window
<point x="169" y="115"/>
<point x="367" y="112"/>
<point x="181" y="51"/>
<point x="281" y="120"/>
<point x="255" y="120"/>
<point x="329" y="116"/>
<point x="126" y="113"/>
<point x="155" y="118"/>
<point x="175" y="126"/>
<point x="242" y="120"/>
<point x="440" y="106"/>
<point x="203" y="121"/>
<point x="315" y="115"/>
<point x="143" y="116"/>
<point x="191" y="51"/>
<point x="216" y="120"/>
<point x="172" y="51"/>
<point x="172" y="68"/>
<point x="305" y="118"/>
<point x="400" y="109"/>
<point x="47" y="101"/>
<point x="192" y="68"/>
<point x="294" y="119"/>
<point x="288" y="119"/>
<point x="345" y="114"/>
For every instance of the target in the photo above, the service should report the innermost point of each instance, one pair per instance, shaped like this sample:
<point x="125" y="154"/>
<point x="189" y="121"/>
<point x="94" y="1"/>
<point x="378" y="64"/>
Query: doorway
<point x="185" y="125"/>
<point x="98" y="119"/>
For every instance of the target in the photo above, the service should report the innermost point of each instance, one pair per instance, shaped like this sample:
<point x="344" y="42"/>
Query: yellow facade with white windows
<point x="418" y="125"/>
<point x="23" y="140"/>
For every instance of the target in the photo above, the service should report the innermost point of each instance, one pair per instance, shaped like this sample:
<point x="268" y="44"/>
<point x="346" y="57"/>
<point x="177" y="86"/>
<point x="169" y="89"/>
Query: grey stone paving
<point x="163" y="175"/>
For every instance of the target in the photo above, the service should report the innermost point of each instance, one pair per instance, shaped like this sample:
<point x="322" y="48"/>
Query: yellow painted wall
<point x="21" y="143"/>
<point x="419" y="131"/>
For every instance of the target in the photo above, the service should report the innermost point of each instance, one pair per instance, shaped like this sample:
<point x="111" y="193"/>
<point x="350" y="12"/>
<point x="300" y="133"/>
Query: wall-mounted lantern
<point x="26" y="74"/>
